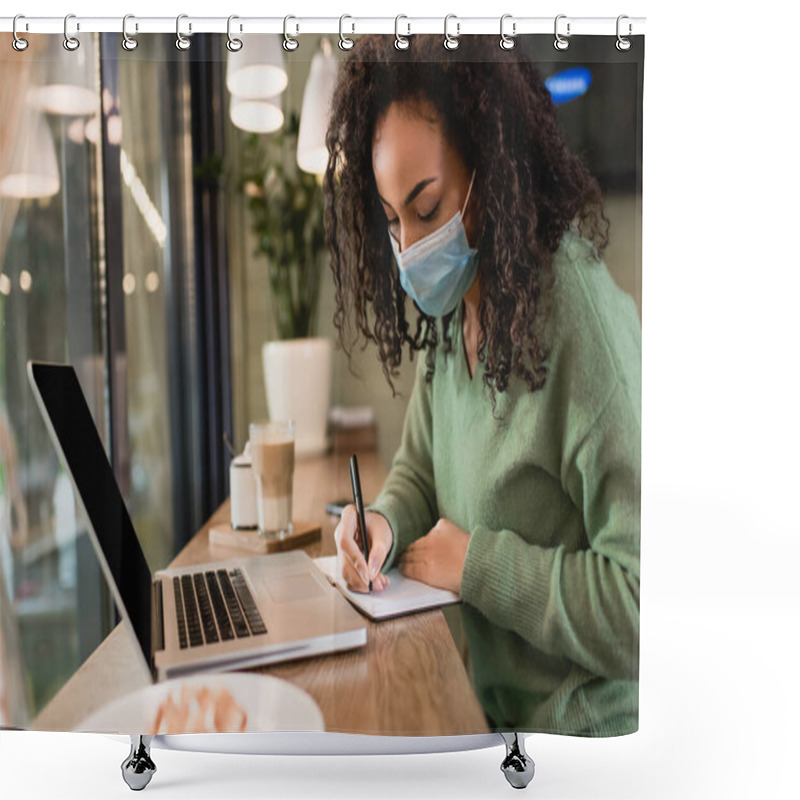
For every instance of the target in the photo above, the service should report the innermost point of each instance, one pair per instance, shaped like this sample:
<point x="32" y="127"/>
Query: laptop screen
<point x="78" y="444"/>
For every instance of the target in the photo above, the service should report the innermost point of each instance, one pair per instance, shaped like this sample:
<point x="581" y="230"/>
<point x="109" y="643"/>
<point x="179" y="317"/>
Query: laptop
<point x="218" y="616"/>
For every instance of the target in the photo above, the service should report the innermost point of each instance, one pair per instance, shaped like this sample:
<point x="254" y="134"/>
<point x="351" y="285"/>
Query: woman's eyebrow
<point x="413" y="193"/>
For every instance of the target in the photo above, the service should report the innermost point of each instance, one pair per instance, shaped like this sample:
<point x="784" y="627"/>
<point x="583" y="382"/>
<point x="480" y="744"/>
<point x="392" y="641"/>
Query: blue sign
<point x="568" y="84"/>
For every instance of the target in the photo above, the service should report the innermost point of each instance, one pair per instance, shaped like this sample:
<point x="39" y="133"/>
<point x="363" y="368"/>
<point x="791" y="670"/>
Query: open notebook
<point x="403" y="595"/>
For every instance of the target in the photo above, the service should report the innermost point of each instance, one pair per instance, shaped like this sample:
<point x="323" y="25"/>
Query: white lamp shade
<point x="68" y="99"/>
<point x="76" y="131"/>
<point x="67" y="80"/>
<point x="257" y="70"/>
<point x="312" y="154"/>
<point x="33" y="168"/>
<point x="92" y="130"/>
<point x="262" y="115"/>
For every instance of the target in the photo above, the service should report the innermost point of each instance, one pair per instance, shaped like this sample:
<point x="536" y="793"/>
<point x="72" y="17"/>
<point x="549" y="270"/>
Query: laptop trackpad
<point x="288" y="588"/>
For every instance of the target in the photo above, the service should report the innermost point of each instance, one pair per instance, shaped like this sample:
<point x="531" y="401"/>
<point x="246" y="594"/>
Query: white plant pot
<point x="298" y="374"/>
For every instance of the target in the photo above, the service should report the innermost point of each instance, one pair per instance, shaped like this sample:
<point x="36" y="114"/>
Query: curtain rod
<point x="298" y="25"/>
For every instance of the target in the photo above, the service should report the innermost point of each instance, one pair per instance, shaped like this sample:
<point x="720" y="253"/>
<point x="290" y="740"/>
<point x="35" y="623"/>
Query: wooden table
<point x="408" y="680"/>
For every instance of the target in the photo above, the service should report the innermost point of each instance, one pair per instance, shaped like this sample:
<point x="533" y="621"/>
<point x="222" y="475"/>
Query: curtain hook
<point x="622" y="43"/>
<point x="70" y="43"/>
<point x="401" y="42"/>
<point x="19" y="44"/>
<point x="289" y="43"/>
<point x="344" y="42"/>
<point x="561" y="43"/>
<point x="182" y="43"/>
<point x="450" y="41"/>
<point x="506" y="41"/>
<point x="128" y="42"/>
<point x="233" y="44"/>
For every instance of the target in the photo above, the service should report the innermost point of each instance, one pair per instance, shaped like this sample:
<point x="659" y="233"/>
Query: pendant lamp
<point x="32" y="168"/>
<point x="312" y="153"/>
<point x="262" y="115"/>
<point x="257" y="69"/>
<point x="68" y="80"/>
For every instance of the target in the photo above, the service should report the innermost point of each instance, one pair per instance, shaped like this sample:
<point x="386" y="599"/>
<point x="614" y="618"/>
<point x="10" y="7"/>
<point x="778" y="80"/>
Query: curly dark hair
<point x="498" y="115"/>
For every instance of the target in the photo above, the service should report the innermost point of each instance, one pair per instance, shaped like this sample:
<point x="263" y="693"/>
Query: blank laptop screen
<point x="83" y="456"/>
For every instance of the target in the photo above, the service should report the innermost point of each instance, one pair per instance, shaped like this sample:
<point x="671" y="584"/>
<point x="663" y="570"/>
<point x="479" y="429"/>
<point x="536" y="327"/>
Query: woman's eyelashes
<point x="431" y="215"/>
<point x="422" y="217"/>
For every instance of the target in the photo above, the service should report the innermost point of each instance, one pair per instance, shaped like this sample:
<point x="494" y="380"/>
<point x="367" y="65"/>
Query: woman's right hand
<point x="355" y="571"/>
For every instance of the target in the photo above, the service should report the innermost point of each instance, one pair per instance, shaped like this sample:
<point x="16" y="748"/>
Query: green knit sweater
<point x="551" y="499"/>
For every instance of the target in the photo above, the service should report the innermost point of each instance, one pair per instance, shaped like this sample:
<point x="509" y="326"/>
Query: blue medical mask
<point x="437" y="270"/>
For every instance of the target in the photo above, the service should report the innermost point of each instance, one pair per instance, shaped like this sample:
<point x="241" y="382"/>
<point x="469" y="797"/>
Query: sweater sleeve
<point x="582" y="605"/>
<point x="408" y="497"/>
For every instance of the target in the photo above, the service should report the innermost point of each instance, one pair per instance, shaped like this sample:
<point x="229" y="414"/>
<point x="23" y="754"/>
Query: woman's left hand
<point x="438" y="557"/>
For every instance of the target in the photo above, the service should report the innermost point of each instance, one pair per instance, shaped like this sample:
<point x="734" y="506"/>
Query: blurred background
<point x="161" y="230"/>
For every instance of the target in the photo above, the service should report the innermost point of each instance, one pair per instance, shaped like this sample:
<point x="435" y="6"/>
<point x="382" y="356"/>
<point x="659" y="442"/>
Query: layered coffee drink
<point x="272" y="452"/>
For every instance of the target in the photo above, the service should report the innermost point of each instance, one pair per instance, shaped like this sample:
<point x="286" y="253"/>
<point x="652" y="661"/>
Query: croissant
<point x="200" y="710"/>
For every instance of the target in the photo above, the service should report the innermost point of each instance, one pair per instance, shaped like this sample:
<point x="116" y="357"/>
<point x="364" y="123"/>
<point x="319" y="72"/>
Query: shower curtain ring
<point x="182" y="42"/>
<point x="401" y="42"/>
<point x="19" y="44"/>
<point x="289" y="42"/>
<point x="561" y="43"/>
<point x="623" y="44"/>
<point x="450" y="41"/>
<point x="70" y="42"/>
<point x="233" y="44"/>
<point x="128" y="42"/>
<point x="345" y="43"/>
<point x="507" y="42"/>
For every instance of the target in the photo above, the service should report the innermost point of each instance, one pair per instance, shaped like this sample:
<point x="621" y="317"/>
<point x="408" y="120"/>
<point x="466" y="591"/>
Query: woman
<point x="517" y="480"/>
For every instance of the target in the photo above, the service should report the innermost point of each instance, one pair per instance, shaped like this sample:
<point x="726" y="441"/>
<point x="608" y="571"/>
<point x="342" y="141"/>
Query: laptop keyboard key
<point x="224" y="624"/>
<point x="248" y="604"/>
<point x="206" y="617"/>
<point x="192" y="618"/>
<point x="176" y="589"/>
<point x="237" y="618"/>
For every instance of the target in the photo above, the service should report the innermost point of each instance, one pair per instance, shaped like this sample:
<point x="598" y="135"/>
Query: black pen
<point x="354" y="479"/>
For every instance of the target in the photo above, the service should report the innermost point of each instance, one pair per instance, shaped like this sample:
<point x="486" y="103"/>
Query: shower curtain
<point x="457" y="220"/>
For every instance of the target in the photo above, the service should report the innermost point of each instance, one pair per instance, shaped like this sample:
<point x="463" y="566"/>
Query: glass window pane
<point x="145" y="283"/>
<point x="51" y="309"/>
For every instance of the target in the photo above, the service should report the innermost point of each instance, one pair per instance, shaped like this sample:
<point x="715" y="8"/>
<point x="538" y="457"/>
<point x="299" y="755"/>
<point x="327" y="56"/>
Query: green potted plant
<point x="285" y="207"/>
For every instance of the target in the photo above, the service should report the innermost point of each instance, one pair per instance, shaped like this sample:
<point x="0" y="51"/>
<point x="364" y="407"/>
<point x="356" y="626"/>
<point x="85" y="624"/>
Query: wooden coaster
<point x="303" y="533"/>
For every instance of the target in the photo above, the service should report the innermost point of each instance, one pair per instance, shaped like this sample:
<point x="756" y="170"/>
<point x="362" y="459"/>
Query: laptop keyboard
<point x="215" y="605"/>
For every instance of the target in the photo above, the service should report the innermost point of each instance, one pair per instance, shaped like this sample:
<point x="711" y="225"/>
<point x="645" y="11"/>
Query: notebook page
<point x="403" y="596"/>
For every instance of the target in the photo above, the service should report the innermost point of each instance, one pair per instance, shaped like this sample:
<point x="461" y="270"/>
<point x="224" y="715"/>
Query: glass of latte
<point x="272" y="451"/>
